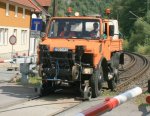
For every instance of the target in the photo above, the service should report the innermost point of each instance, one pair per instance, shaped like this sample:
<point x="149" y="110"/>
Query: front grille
<point x="55" y="63"/>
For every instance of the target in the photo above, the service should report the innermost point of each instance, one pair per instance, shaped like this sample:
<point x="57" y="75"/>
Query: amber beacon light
<point x="108" y="11"/>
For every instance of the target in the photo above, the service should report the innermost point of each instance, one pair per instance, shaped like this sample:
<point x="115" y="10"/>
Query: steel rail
<point x="136" y="75"/>
<point x="129" y="65"/>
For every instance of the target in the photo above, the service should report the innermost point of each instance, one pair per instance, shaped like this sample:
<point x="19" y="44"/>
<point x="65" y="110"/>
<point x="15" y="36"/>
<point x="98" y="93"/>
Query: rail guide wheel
<point x="87" y="93"/>
<point x="112" y="83"/>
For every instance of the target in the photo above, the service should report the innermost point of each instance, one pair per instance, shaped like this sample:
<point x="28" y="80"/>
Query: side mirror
<point x="111" y="30"/>
<point x="121" y="35"/>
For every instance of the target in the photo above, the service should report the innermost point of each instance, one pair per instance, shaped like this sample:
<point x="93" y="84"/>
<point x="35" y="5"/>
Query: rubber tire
<point x="96" y="82"/>
<point x="113" y="82"/>
<point x="115" y="61"/>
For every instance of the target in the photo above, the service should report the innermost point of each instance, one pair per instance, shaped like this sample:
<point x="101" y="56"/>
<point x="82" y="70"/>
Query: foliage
<point x="140" y="34"/>
<point x="121" y="10"/>
<point x="143" y="49"/>
<point x="125" y="45"/>
<point x="134" y="22"/>
<point x="85" y="7"/>
<point x="61" y="7"/>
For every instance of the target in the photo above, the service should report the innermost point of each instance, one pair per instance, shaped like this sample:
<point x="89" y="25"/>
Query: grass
<point x="108" y="93"/>
<point x="35" y="81"/>
<point x="141" y="99"/>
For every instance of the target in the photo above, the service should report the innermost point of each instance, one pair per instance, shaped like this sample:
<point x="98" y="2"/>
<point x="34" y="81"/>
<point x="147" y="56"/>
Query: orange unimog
<point x="83" y="59"/>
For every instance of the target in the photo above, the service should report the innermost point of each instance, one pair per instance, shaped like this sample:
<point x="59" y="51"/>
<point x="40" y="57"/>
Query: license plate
<point x="60" y="49"/>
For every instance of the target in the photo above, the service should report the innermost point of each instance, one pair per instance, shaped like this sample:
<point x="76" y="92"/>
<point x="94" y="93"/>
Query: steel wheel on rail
<point x="112" y="83"/>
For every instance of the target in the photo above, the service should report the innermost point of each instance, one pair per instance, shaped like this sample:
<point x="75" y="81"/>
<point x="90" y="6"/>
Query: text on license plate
<point x="61" y="49"/>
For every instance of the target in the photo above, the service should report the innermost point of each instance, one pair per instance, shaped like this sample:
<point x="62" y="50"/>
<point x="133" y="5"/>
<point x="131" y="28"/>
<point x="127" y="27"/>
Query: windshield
<point x="74" y="28"/>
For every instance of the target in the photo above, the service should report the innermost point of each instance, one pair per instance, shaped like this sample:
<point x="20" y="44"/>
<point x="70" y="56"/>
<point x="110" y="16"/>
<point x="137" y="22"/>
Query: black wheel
<point x="96" y="82"/>
<point x="113" y="82"/>
<point x="46" y="88"/>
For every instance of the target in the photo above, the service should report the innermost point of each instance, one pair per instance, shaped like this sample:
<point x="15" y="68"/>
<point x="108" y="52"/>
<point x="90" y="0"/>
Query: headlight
<point x="87" y="71"/>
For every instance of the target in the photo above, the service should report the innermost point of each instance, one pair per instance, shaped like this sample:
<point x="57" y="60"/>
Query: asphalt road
<point x="12" y="93"/>
<point x="5" y="75"/>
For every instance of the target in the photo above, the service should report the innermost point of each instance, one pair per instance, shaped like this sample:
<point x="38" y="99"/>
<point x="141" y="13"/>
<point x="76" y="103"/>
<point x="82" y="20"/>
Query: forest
<point x="133" y="17"/>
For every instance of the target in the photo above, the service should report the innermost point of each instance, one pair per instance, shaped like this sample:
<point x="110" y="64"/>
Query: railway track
<point x="133" y="71"/>
<point x="130" y="64"/>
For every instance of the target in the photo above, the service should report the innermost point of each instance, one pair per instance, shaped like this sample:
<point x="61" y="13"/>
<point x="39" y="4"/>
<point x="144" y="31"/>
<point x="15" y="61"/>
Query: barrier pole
<point x="5" y="61"/>
<point x="111" y="103"/>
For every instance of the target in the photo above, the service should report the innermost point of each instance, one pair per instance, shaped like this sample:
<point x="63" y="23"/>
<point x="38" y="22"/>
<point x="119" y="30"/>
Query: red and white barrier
<point x="5" y="61"/>
<point x="109" y="104"/>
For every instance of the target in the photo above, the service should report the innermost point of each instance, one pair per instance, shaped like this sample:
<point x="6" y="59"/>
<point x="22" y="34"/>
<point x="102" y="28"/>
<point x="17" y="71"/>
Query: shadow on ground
<point x="52" y="99"/>
<point x="18" y="91"/>
<point x="145" y="109"/>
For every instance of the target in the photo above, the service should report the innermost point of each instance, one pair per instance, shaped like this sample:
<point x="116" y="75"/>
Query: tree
<point x="140" y="34"/>
<point x="84" y="7"/>
<point x="61" y="7"/>
<point x="121" y="10"/>
<point x="136" y="25"/>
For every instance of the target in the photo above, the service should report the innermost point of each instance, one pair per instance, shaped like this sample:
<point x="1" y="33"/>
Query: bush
<point x="34" y="80"/>
<point x="145" y="50"/>
<point x="125" y="45"/>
